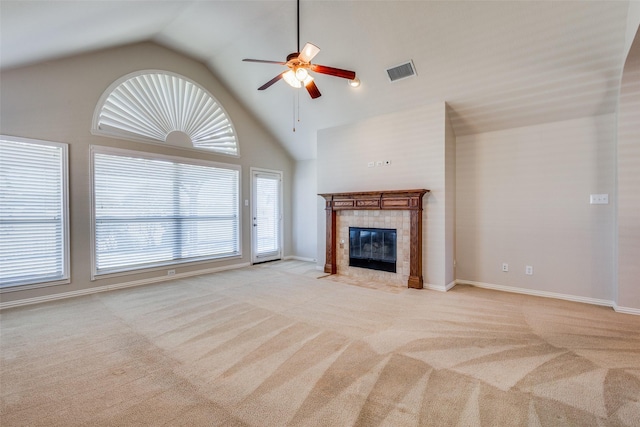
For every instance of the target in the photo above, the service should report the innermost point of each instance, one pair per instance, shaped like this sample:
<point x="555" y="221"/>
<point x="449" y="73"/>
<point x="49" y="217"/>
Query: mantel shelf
<point x="410" y="200"/>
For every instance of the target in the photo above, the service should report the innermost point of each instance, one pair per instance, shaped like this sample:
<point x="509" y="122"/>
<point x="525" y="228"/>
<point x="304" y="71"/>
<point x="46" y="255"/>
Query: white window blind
<point x="33" y="212"/>
<point x="151" y="105"/>
<point x="155" y="211"/>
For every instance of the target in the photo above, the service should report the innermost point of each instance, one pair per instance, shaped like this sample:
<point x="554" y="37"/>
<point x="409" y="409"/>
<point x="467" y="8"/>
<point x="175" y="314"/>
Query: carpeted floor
<point x="274" y="345"/>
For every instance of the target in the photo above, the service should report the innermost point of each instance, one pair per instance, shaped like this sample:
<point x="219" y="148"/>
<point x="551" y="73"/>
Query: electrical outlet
<point x="371" y="164"/>
<point x="505" y="267"/>
<point x="528" y="270"/>
<point x="171" y="272"/>
<point x="379" y="163"/>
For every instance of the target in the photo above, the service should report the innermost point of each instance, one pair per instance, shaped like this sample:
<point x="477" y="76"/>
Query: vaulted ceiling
<point x="497" y="64"/>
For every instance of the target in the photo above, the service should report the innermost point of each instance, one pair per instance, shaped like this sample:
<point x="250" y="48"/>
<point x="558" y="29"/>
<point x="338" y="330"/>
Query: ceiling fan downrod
<point x="298" y="21"/>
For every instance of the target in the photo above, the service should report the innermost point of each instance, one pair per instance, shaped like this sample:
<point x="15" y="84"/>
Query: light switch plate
<point x="599" y="199"/>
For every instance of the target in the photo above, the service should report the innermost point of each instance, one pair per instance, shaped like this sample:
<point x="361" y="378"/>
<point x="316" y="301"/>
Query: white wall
<point x="55" y="101"/>
<point x="523" y="198"/>
<point x="414" y="142"/>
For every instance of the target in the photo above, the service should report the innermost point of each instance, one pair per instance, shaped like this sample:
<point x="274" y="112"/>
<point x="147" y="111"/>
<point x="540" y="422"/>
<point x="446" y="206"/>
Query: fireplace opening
<point x="373" y="248"/>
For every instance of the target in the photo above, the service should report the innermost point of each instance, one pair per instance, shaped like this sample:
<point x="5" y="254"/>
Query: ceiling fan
<point x="299" y="65"/>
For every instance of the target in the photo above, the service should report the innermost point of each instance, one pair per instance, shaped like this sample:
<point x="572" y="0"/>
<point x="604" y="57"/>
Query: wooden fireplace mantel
<point x="410" y="200"/>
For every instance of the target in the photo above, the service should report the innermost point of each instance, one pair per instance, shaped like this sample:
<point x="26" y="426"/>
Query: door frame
<point x="253" y="171"/>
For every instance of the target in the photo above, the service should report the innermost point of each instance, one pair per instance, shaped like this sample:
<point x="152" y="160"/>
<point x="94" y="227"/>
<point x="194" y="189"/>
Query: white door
<point x="266" y="213"/>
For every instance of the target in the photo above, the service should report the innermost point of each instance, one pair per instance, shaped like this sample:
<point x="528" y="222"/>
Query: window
<point x="151" y="210"/>
<point x="34" y="228"/>
<point x="164" y="108"/>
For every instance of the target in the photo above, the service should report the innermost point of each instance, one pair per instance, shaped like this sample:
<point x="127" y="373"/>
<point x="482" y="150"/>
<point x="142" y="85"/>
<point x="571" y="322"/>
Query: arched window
<point x="166" y="108"/>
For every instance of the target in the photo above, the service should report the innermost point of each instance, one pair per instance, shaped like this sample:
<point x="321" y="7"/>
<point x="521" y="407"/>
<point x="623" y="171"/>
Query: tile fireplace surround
<point x="374" y="219"/>
<point x="376" y="201"/>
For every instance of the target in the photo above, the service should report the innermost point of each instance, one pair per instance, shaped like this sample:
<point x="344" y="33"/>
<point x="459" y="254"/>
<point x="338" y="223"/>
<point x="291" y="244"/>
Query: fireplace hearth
<point x="373" y="248"/>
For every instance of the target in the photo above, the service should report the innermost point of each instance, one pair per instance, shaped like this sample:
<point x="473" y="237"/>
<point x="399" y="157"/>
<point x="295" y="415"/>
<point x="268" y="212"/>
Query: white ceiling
<point x="498" y="64"/>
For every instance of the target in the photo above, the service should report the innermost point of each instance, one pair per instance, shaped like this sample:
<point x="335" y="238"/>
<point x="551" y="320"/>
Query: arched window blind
<point x="152" y="210"/>
<point x="34" y="228"/>
<point x="163" y="107"/>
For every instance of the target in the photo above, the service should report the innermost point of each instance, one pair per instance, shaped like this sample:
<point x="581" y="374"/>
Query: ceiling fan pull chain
<point x="294" y="111"/>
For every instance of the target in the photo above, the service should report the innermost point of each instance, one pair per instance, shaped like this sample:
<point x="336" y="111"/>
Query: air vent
<point x="401" y="71"/>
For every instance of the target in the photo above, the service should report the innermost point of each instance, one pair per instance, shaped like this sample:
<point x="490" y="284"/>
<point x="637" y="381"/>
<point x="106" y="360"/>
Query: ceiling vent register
<point x="401" y="71"/>
<point x="162" y="107"/>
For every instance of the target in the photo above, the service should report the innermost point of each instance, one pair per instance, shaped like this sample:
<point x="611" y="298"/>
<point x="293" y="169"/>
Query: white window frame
<point x="65" y="277"/>
<point x="126" y="270"/>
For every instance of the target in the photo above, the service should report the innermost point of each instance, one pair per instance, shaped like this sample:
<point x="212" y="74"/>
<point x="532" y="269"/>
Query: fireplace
<point x="400" y="200"/>
<point x="373" y="248"/>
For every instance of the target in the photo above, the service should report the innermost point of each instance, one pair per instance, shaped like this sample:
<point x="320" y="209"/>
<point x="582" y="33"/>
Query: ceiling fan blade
<point x="337" y="72"/>
<point x="308" y="52"/>
<point x="264" y="61"/>
<point x="313" y="90"/>
<point x="270" y="82"/>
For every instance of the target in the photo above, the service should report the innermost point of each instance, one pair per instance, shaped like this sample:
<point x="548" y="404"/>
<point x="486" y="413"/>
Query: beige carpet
<point x="272" y="345"/>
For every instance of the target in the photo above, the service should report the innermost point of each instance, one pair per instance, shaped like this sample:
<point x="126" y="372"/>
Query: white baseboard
<point x="299" y="258"/>
<point x="105" y="288"/>
<point x="546" y="294"/>
<point x="626" y="310"/>
<point x="440" y="288"/>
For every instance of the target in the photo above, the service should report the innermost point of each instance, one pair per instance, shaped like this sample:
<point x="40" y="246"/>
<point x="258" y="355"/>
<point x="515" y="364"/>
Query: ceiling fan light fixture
<point x="290" y="78"/>
<point x="302" y="74"/>
<point x="293" y="80"/>
<point x="354" y="83"/>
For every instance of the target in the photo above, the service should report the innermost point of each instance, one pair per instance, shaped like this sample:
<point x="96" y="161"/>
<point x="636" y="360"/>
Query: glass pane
<point x="268" y="214"/>
<point x="373" y="248"/>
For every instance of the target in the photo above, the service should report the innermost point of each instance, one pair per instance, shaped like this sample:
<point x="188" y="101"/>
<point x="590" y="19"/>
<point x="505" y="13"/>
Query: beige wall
<point x="523" y="198"/>
<point x="305" y="201"/>
<point x="633" y="23"/>
<point x="450" y="202"/>
<point x="56" y="100"/>
<point x="414" y="142"/>
<point x="629" y="181"/>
